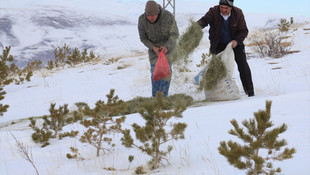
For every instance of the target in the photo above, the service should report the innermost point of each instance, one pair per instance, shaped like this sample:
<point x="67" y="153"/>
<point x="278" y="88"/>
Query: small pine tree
<point x="257" y="138"/>
<point x="140" y="170"/>
<point x="57" y="118"/>
<point x="154" y="134"/>
<point x="3" y="108"/>
<point x="84" y="57"/>
<point x="5" y="60"/>
<point x="66" y="55"/>
<point x="60" y="54"/>
<point x="76" y="155"/>
<point x="50" y="65"/>
<point x="92" y="56"/>
<point x="74" y="58"/>
<point x="102" y="123"/>
<point x="51" y="126"/>
<point x="41" y="135"/>
<point x="5" y="75"/>
<point x="284" y="25"/>
<point x="9" y="73"/>
<point x="292" y="20"/>
<point x="35" y="65"/>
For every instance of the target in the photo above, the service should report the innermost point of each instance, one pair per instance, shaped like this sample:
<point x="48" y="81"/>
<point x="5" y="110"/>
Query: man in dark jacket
<point x="227" y="24"/>
<point x="158" y="32"/>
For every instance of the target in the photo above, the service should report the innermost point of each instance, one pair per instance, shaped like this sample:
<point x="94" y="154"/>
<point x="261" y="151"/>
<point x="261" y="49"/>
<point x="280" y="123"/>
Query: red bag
<point x="161" y="69"/>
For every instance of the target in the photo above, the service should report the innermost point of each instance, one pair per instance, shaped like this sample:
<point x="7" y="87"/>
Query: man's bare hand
<point x="164" y="49"/>
<point x="156" y="50"/>
<point x="234" y="43"/>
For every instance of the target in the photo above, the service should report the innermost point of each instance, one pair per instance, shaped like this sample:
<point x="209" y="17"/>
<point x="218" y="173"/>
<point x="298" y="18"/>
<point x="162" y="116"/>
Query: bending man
<point x="158" y="32"/>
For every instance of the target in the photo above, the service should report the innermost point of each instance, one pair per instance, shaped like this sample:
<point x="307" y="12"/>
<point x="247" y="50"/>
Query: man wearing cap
<point x="227" y="24"/>
<point x="158" y="32"/>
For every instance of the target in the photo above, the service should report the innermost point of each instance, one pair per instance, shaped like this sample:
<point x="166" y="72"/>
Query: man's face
<point x="152" y="18"/>
<point x="225" y="10"/>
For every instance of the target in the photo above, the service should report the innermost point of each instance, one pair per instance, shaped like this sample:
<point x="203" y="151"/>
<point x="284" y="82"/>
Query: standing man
<point x="227" y="24"/>
<point x="158" y="32"/>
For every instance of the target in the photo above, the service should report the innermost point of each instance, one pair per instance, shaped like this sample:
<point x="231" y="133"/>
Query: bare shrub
<point x="271" y="44"/>
<point x="274" y="44"/>
<point x="25" y="153"/>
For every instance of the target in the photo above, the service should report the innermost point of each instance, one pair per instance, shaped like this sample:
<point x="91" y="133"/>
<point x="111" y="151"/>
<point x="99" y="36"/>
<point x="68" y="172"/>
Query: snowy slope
<point x="35" y="28"/>
<point x="38" y="26"/>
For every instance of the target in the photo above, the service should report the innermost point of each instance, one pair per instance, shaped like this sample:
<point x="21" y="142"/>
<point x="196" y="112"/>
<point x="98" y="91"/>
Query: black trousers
<point x="243" y="67"/>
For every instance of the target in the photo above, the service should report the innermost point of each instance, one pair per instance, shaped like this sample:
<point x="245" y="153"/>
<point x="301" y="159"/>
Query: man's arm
<point x="206" y="19"/>
<point x="242" y="30"/>
<point x="143" y="35"/>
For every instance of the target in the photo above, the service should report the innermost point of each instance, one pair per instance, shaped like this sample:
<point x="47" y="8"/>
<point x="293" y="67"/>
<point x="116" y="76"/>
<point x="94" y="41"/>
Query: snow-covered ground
<point x="33" y="27"/>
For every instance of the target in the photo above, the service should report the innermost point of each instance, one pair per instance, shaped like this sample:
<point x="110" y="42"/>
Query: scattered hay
<point x="187" y="42"/>
<point x="273" y="63"/>
<point x="136" y="104"/>
<point x="123" y="66"/>
<point x="216" y="71"/>
<point x="293" y="51"/>
<point x="276" y="68"/>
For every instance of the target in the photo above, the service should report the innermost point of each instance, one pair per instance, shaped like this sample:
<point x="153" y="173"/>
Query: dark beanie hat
<point x="229" y="3"/>
<point x="151" y="8"/>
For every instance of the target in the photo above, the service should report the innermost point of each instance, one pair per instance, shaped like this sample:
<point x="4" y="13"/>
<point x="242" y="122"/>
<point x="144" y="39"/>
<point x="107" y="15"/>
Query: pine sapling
<point x="57" y="118"/>
<point x="285" y="25"/>
<point x="60" y="54"/>
<point x="261" y="145"/>
<point x="71" y="134"/>
<point x="3" y="108"/>
<point x="51" y="126"/>
<point x="154" y="135"/>
<point x="74" y="58"/>
<point x="41" y="135"/>
<point x="102" y="123"/>
<point x="140" y="170"/>
<point x="76" y="155"/>
<point x="130" y="159"/>
<point x="5" y="75"/>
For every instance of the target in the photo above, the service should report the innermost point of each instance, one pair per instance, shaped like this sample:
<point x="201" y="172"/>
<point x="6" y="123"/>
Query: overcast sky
<point x="281" y="7"/>
<point x="286" y="7"/>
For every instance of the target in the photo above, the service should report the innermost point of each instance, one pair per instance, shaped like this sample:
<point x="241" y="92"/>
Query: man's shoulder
<point x="167" y="14"/>
<point x="142" y="16"/>
<point x="215" y="8"/>
<point x="238" y="10"/>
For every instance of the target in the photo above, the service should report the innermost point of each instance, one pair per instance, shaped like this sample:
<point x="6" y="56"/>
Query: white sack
<point x="226" y="88"/>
